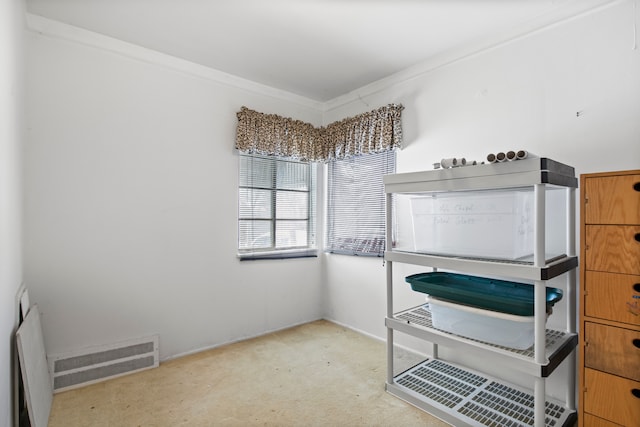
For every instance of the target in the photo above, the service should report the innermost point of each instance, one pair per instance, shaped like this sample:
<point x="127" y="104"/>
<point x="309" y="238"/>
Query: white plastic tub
<point x="493" y="327"/>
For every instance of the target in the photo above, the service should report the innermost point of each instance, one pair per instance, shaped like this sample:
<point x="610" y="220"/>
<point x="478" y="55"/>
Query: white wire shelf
<point x="523" y="270"/>
<point x="466" y="398"/>
<point x="417" y="321"/>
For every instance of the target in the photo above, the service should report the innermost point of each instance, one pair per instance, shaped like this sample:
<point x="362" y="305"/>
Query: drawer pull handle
<point x="636" y="392"/>
<point x="636" y="186"/>
<point x="637" y="236"/>
<point x="636" y="287"/>
<point x="636" y="342"/>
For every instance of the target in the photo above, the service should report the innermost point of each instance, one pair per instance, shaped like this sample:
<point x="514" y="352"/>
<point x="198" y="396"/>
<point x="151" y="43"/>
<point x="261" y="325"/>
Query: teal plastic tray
<point x="489" y="294"/>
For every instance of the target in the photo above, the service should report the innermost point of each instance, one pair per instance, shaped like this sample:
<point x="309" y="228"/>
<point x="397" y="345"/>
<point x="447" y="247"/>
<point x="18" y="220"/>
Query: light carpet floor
<point x="317" y="374"/>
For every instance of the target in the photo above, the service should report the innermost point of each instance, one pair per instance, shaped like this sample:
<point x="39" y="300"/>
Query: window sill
<point x="351" y="253"/>
<point x="300" y="253"/>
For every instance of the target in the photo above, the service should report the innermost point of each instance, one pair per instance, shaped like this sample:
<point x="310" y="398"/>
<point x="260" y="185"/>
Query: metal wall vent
<point x="95" y="364"/>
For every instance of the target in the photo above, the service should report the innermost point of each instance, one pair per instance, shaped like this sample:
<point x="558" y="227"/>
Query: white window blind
<point x="276" y="207"/>
<point x="356" y="204"/>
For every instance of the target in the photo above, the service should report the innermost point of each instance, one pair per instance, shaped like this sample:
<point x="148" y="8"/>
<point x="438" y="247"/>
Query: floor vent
<point x="103" y="362"/>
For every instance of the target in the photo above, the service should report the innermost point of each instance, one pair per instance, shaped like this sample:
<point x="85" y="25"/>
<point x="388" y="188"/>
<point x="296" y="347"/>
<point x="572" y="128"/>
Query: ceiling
<point x="318" y="49"/>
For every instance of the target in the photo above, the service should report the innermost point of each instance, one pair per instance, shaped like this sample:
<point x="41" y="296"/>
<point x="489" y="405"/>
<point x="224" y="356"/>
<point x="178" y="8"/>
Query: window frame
<point x="273" y="251"/>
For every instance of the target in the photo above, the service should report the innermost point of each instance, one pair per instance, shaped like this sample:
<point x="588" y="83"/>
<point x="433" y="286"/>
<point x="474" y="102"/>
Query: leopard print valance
<point x="269" y="134"/>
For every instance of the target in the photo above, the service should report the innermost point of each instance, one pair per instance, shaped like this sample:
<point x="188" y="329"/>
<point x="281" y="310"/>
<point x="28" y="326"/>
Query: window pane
<point x="292" y="176"/>
<point x="256" y="172"/>
<point x="291" y="234"/>
<point x="255" y="204"/>
<point x="292" y="205"/>
<point x="254" y="234"/>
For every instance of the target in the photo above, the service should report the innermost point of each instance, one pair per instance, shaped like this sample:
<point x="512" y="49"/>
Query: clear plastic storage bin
<point x="507" y="330"/>
<point x="485" y="224"/>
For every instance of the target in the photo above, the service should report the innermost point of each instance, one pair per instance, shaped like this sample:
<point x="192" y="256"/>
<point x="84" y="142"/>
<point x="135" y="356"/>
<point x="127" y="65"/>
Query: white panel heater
<point x="99" y="363"/>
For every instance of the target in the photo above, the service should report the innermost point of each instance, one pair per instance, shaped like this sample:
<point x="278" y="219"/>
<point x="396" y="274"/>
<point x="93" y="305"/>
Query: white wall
<point x="131" y="203"/>
<point x="11" y="135"/>
<point x="521" y="95"/>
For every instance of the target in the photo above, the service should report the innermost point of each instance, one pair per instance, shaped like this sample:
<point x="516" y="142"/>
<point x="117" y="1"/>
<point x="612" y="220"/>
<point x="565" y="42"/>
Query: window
<point x="276" y="208"/>
<point x="356" y="204"/>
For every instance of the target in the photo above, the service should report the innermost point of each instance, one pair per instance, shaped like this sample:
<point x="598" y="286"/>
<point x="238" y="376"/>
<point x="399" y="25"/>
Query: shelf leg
<point x="539" y="224"/>
<point x="389" y="315"/>
<point x="571" y="297"/>
<point x="571" y="301"/>
<point x="539" y="403"/>
<point x="389" y="289"/>
<point x="571" y="378"/>
<point x="434" y="346"/>
<point x="389" y="239"/>
<point x="389" y="356"/>
<point x="539" y="331"/>
<point x="539" y="260"/>
<point x="571" y="215"/>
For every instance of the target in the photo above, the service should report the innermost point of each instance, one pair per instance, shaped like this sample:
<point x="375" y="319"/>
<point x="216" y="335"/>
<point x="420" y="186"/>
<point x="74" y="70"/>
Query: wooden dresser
<point x="609" y="349"/>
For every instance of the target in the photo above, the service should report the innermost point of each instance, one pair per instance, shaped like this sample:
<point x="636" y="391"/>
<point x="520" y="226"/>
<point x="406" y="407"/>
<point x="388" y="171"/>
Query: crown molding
<point x="572" y="9"/>
<point x="60" y="30"/>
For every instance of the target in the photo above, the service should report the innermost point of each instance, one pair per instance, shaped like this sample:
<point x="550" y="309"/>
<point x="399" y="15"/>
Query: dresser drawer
<point x="612" y="200"/>
<point x="612" y="398"/>
<point x="613" y="248"/>
<point x="613" y="350"/>
<point x="612" y="296"/>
